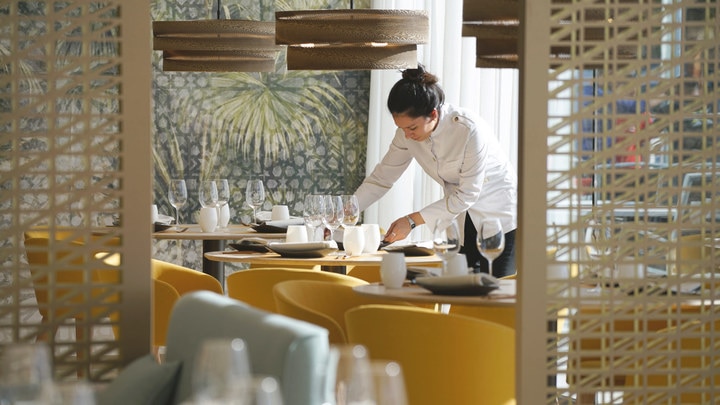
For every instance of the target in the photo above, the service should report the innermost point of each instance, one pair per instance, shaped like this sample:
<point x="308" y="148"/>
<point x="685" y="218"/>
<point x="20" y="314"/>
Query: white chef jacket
<point x="463" y="155"/>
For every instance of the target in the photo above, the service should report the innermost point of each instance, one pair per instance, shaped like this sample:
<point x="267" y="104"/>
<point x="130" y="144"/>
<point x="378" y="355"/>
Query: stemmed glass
<point x="334" y="213"/>
<point x="491" y="240"/>
<point x="314" y="213"/>
<point x="351" y="209"/>
<point x="221" y="371"/>
<point x="208" y="193"/>
<point x="255" y="196"/>
<point x="223" y="189"/>
<point x="178" y="196"/>
<point x="446" y="242"/>
<point x="349" y="377"/>
<point x="389" y="383"/>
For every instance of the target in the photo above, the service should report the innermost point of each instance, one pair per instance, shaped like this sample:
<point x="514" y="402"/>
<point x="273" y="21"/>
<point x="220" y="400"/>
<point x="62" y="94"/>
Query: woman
<point x="459" y="151"/>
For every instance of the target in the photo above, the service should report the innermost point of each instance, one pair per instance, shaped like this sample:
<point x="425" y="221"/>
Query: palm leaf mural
<point x="272" y="112"/>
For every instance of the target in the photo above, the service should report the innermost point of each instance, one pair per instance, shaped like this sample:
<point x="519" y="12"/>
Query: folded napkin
<point x="284" y="223"/>
<point x="165" y="219"/>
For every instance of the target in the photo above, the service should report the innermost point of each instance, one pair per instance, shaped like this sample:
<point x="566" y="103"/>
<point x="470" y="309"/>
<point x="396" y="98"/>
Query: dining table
<point x="336" y="261"/>
<point x="505" y="295"/>
<point x="214" y="241"/>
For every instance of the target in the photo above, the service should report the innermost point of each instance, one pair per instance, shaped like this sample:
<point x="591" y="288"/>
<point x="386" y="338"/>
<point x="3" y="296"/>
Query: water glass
<point x="25" y="373"/>
<point x="221" y="371"/>
<point x="349" y="375"/>
<point x="372" y="237"/>
<point x="208" y="219"/>
<point x="393" y="270"/>
<point x="389" y="383"/>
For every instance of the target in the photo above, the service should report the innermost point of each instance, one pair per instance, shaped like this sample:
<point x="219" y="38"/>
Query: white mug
<point x="154" y="215"/>
<point x="457" y="266"/>
<point x="353" y="240"/>
<point x="393" y="270"/>
<point x="223" y="216"/>
<point x="372" y="237"/>
<point x="296" y="233"/>
<point x="280" y="213"/>
<point x="208" y="219"/>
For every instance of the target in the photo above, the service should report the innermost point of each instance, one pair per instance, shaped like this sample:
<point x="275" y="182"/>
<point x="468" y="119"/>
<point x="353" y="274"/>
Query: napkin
<point x="284" y="223"/>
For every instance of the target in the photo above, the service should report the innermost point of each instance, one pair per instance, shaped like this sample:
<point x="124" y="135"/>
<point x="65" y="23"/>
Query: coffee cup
<point x="154" y="215"/>
<point x="280" y="213"/>
<point x="457" y="266"/>
<point x="393" y="270"/>
<point x="208" y="219"/>
<point x="296" y="233"/>
<point x="372" y="237"/>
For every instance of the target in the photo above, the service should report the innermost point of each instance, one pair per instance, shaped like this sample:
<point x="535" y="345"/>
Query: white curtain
<point x="490" y="92"/>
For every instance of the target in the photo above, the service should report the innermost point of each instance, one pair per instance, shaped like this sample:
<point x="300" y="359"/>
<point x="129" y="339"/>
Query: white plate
<point x="470" y="284"/>
<point x="303" y="249"/>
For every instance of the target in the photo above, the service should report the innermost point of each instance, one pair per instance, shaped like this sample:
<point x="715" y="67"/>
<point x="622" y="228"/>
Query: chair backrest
<point x="322" y="303"/>
<point x="254" y="286"/>
<point x="371" y="274"/>
<point x="504" y="315"/>
<point x="470" y="361"/>
<point x="184" y="279"/>
<point x="293" y="351"/>
<point x="163" y="301"/>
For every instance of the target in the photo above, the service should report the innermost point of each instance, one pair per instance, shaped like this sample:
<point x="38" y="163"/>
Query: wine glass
<point x="178" y="196"/>
<point x="600" y="247"/>
<point x="389" y="383"/>
<point x="208" y="193"/>
<point x="491" y="240"/>
<point x="223" y="199"/>
<point x="221" y="371"/>
<point x="264" y="390"/>
<point x="313" y="213"/>
<point x="334" y="213"/>
<point x="351" y="209"/>
<point x="25" y="373"/>
<point x="349" y="378"/>
<point x="255" y="196"/>
<point x="446" y="242"/>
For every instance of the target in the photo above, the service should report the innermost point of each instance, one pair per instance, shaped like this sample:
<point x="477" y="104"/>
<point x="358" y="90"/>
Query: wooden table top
<point x="329" y="260"/>
<point x="193" y="232"/>
<point x="503" y="296"/>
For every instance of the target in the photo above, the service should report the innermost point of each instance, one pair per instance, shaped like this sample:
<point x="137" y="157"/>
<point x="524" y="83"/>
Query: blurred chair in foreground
<point x="255" y="286"/>
<point x="443" y="357"/>
<point x="322" y="303"/>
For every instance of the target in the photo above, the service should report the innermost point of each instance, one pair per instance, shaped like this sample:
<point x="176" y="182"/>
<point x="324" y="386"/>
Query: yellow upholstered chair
<point x="255" y="286"/>
<point x="164" y="299"/>
<point x="445" y="358"/>
<point x="682" y="361"/>
<point x="322" y="303"/>
<point x="371" y="274"/>
<point x="504" y="315"/>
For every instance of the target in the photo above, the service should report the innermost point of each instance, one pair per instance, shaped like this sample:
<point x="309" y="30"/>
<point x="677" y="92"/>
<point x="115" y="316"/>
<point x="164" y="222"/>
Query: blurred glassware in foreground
<point x="25" y="373"/>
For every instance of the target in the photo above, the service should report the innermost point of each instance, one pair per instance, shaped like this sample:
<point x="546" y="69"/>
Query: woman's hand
<point x="401" y="228"/>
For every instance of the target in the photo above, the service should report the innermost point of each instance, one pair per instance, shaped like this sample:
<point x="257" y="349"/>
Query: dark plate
<point x="249" y="247"/>
<point x="265" y="228"/>
<point x="465" y="285"/>
<point x="304" y="250"/>
<point x="410" y="250"/>
<point x="158" y="227"/>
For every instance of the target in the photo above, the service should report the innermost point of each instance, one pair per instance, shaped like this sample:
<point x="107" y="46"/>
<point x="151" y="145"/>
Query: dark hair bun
<point x="419" y="75"/>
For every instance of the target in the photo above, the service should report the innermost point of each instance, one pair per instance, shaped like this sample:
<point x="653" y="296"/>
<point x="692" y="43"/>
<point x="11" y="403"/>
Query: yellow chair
<point x="164" y="299"/>
<point x="322" y="303"/>
<point x="181" y="280"/>
<point x="371" y="274"/>
<point x="504" y="315"/>
<point x="255" y="286"/>
<point x="683" y="357"/>
<point x="445" y="358"/>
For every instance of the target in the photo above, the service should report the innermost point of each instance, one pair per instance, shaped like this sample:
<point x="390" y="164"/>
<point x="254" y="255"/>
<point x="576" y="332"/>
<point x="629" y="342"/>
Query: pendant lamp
<point x="351" y="39"/>
<point x="221" y="45"/>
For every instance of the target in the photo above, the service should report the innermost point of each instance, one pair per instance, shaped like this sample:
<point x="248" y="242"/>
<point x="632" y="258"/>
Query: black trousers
<point x="504" y="265"/>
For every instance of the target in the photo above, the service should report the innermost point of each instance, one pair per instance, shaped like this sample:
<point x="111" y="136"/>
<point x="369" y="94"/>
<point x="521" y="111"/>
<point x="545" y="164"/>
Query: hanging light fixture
<point x="221" y="45"/>
<point x="351" y="39"/>
<point x="496" y="25"/>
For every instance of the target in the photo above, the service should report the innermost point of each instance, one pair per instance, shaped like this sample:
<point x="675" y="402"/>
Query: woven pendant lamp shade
<point x="216" y="45"/>
<point x="496" y="26"/>
<point x="351" y="39"/>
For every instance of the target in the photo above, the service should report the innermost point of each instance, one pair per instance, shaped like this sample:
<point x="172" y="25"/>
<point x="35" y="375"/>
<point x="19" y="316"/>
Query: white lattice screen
<point x="74" y="158"/>
<point x="632" y="197"/>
